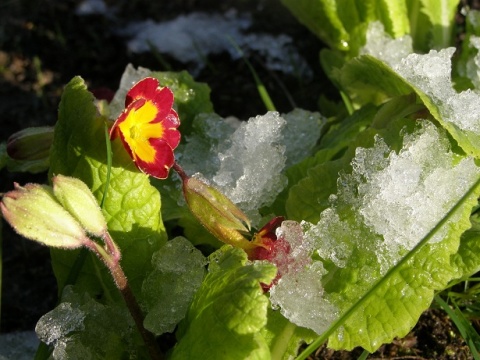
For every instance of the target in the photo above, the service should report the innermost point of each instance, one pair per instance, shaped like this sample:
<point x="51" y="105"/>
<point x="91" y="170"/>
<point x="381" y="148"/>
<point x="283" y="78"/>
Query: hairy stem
<point x="111" y="258"/>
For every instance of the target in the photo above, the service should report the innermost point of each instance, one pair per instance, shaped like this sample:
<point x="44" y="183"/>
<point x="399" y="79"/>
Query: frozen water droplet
<point x="59" y="323"/>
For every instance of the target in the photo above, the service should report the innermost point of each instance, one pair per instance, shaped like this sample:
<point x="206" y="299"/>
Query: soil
<point x="43" y="44"/>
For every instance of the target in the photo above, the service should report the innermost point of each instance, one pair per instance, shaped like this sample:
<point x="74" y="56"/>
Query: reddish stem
<point x="111" y="258"/>
<point x="183" y="175"/>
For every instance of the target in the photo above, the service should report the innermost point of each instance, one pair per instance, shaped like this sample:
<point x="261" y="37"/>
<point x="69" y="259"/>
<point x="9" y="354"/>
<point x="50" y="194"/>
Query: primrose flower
<point x="148" y="127"/>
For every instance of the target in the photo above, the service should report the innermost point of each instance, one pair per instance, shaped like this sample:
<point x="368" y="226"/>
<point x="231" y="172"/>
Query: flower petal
<point x="148" y="127"/>
<point x="162" y="162"/>
<point x="144" y="89"/>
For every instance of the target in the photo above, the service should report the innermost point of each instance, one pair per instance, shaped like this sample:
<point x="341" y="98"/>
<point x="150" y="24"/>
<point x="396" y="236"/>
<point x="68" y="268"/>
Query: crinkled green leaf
<point x="169" y="288"/>
<point x="131" y="207"/>
<point x="308" y="198"/>
<point x="228" y="311"/>
<point x="377" y="303"/>
<point x="467" y="259"/>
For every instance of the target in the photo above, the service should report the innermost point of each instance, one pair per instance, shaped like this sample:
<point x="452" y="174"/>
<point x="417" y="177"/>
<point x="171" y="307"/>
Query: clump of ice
<point x="382" y="46"/>
<point x="81" y="328"/>
<point x="384" y="207"/>
<point x="301" y="282"/>
<point x="430" y="73"/>
<point x="245" y="160"/>
<point x="92" y="7"/>
<point x="300" y="296"/>
<point x="250" y="168"/>
<point x="399" y="197"/>
<point x="192" y="37"/>
<point x="168" y="290"/>
<point x="404" y="200"/>
<point x="58" y="323"/>
<point x="200" y="152"/>
<point x="301" y="134"/>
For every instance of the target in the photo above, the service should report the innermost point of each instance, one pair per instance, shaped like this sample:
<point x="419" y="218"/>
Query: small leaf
<point x="169" y="288"/>
<point x="231" y="305"/>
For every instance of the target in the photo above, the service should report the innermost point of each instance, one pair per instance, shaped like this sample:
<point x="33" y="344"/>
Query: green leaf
<point x="380" y="283"/>
<point x="394" y="17"/>
<point x="307" y="197"/>
<point x="132" y="205"/>
<point x="369" y="80"/>
<point x="284" y="338"/>
<point x="342" y="24"/>
<point x="467" y="259"/>
<point x="342" y="133"/>
<point x="228" y="312"/>
<point x="441" y="16"/>
<point x="322" y="18"/>
<point x="168" y="290"/>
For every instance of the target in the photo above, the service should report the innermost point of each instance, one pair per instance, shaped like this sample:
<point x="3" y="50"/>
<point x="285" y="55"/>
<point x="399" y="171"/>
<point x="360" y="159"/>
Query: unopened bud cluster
<point x="58" y="216"/>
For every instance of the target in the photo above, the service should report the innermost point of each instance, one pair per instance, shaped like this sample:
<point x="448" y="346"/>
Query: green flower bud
<point x="217" y="213"/>
<point x="35" y="214"/>
<point x="29" y="149"/>
<point x="78" y="200"/>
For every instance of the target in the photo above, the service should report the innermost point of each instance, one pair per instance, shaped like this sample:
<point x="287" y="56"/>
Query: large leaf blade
<point x="131" y="207"/>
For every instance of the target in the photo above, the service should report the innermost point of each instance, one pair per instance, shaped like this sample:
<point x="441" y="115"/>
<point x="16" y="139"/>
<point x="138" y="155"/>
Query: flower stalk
<point x="64" y="216"/>
<point x="111" y="256"/>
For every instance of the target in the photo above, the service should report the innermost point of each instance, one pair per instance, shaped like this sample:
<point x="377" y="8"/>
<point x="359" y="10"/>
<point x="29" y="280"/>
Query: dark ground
<point x="43" y="44"/>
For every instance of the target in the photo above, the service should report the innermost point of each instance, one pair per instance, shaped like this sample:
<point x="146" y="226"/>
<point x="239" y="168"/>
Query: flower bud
<point x="78" y="200"/>
<point x="216" y="213"/>
<point x="29" y="149"/>
<point x="35" y="214"/>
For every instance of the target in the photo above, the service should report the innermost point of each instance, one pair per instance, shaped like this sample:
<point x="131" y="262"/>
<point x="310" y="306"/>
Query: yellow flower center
<point x="137" y="130"/>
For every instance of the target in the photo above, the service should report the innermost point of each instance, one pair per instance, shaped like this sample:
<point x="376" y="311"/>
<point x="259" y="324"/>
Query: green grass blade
<point x="267" y="101"/>
<point x="469" y="334"/>
<point x="108" y="145"/>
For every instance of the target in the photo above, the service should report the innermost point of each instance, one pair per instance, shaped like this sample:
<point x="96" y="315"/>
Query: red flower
<point x="273" y="249"/>
<point x="148" y="127"/>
